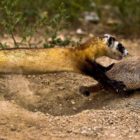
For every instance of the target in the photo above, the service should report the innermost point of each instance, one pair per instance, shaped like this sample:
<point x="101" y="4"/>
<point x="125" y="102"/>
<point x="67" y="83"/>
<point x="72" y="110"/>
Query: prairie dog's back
<point x="127" y="71"/>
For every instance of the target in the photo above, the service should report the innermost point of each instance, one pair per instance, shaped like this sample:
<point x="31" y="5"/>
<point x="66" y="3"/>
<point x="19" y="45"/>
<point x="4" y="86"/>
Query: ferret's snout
<point x="125" y="53"/>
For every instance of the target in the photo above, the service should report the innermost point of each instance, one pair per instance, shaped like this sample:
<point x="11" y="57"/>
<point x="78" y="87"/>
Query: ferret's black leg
<point x="103" y="68"/>
<point x="109" y="67"/>
<point x="86" y="90"/>
<point x="131" y="91"/>
<point x="93" y="69"/>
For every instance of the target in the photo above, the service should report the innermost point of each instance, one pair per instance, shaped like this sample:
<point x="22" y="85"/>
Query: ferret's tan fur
<point x="28" y="61"/>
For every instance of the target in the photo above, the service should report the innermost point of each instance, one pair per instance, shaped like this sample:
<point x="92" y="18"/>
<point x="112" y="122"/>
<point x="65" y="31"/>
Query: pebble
<point x="61" y="88"/>
<point x="74" y="108"/>
<point x="73" y="102"/>
<point x="13" y="128"/>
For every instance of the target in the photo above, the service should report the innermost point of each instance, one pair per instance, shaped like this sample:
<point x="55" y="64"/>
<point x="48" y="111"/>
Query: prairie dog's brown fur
<point x="127" y="71"/>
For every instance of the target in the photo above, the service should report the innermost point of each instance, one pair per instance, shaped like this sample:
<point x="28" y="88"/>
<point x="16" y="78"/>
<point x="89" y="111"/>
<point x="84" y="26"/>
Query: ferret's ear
<point x="109" y="39"/>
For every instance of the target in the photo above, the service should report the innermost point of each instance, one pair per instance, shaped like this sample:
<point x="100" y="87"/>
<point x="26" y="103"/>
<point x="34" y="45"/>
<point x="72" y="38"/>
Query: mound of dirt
<point x="50" y="106"/>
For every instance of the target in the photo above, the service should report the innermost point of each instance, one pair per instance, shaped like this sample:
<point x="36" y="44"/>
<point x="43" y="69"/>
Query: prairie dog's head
<point x="115" y="49"/>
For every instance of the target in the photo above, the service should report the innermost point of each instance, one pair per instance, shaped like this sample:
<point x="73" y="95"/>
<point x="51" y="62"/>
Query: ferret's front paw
<point x="118" y="87"/>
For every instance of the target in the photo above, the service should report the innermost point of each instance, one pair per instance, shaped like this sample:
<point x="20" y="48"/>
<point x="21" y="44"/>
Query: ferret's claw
<point x="118" y="87"/>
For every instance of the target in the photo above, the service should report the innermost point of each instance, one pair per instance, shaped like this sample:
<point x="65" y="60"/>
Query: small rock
<point x="28" y="76"/>
<point x="74" y="108"/>
<point x="72" y="102"/>
<point x="91" y="17"/>
<point x="61" y="88"/>
<point x="13" y="128"/>
<point x="79" y="31"/>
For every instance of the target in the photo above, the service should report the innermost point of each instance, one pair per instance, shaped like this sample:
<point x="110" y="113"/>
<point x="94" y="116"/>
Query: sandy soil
<point x="50" y="106"/>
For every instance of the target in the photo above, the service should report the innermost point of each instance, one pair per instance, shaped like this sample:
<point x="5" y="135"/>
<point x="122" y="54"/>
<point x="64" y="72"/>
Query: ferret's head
<point x="115" y="49"/>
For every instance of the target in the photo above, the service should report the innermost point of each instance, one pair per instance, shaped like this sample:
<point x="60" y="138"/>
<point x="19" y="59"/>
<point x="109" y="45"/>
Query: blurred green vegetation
<point x="127" y="11"/>
<point x="28" y="16"/>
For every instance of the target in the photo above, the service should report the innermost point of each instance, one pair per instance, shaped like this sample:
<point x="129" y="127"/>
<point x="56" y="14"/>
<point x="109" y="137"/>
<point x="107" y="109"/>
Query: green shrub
<point x="28" y="16"/>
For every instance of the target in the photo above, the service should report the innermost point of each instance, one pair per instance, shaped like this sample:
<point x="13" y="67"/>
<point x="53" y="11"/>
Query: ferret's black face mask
<point x="115" y="49"/>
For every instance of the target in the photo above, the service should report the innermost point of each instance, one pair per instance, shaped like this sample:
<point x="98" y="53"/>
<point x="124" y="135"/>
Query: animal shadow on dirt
<point x="58" y="94"/>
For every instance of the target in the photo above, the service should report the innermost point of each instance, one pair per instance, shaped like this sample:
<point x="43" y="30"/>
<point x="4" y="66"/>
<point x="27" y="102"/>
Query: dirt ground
<point x="50" y="106"/>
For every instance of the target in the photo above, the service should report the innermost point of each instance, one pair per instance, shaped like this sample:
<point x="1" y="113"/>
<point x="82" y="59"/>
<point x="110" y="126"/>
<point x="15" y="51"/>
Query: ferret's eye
<point x="109" y="41"/>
